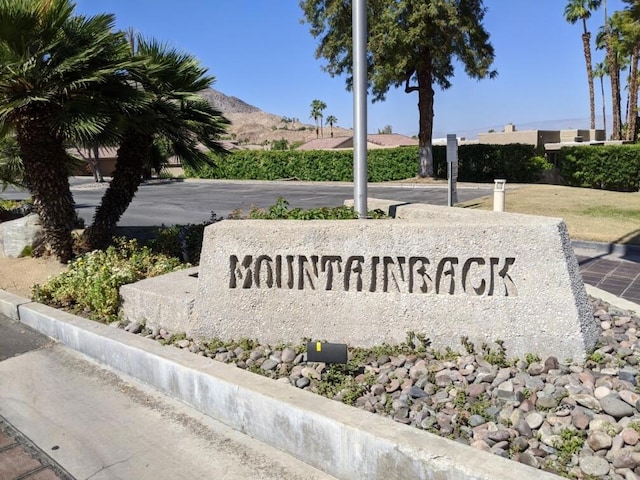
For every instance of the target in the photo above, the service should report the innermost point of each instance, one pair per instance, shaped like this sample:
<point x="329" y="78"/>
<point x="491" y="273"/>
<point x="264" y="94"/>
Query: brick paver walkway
<point x="617" y="276"/>
<point x="21" y="460"/>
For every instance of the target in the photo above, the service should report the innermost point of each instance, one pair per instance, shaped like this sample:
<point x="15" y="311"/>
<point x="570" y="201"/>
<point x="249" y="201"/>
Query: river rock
<point x="615" y="407"/>
<point x="595" y="466"/>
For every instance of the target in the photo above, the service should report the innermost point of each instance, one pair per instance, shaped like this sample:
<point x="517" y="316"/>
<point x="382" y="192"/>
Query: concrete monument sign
<point x="445" y="272"/>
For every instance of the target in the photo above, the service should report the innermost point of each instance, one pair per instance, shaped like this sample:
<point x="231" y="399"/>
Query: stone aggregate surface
<point x="580" y="421"/>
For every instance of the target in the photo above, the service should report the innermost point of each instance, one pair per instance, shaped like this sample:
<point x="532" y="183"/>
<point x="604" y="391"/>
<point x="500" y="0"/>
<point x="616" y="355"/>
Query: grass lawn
<point x="594" y="215"/>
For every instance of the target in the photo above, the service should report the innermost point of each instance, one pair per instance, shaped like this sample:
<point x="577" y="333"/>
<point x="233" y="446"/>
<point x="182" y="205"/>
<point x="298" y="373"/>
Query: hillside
<point x="251" y="127"/>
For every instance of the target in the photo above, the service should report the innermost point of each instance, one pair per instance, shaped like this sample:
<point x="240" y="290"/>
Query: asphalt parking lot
<point x="194" y="201"/>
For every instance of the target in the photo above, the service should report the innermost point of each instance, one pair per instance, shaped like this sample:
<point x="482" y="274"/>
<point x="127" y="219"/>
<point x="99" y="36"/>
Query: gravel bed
<point x="580" y="421"/>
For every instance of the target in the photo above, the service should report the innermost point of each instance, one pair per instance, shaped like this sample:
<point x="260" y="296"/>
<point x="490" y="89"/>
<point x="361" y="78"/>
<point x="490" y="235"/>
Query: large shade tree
<point x="57" y="71"/>
<point x="173" y="116"/>
<point x="580" y="10"/>
<point x="411" y="44"/>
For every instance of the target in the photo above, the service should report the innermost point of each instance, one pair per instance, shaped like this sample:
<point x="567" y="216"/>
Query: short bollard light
<point x="498" y="195"/>
<point x="326" y="352"/>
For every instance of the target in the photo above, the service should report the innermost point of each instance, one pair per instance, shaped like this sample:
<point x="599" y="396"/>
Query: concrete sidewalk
<point x="104" y="425"/>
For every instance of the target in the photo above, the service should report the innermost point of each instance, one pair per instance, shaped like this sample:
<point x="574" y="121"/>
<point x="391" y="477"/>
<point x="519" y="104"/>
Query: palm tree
<point x="11" y="168"/>
<point x="317" y="107"/>
<point x="609" y="39"/>
<point x="628" y="23"/>
<point x="56" y="70"/>
<point x="581" y="10"/>
<point x="600" y="71"/>
<point x="173" y="114"/>
<point x="331" y="121"/>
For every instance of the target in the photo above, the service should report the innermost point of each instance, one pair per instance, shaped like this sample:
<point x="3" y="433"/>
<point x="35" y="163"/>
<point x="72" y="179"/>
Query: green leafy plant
<point x="91" y="283"/>
<point x="468" y="345"/>
<point x="570" y="443"/>
<point x="181" y="241"/>
<point x="176" y="337"/>
<point x="281" y="211"/>
<point x="496" y="356"/>
<point x="338" y="379"/>
<point x="531" y="358"/>
<point x="596" y="357"/>
<point x="447" y="354"/>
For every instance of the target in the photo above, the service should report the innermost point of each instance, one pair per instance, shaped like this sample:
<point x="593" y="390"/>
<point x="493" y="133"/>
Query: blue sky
<point x="259" y="51"/>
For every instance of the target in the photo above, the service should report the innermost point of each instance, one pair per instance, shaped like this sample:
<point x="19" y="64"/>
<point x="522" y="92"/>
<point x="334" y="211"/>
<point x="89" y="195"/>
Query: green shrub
<point x="281" y="211"/>
<point x="611" y="167"/>
<point x="181" y="241"/>
<point x="477" y="163"/>
<point x="516" y="163"/>
<point x="91" y="283"/>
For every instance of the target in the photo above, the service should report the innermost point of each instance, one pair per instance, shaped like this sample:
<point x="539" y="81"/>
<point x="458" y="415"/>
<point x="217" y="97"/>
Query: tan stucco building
<point x="541" y="139"/>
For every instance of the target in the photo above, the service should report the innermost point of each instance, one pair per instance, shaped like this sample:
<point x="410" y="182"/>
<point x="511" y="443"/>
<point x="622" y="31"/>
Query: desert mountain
<point x="251" y="126"/>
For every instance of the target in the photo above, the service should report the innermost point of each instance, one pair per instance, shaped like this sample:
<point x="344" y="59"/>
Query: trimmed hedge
<point x="477" y="163"/>
<point x="612" y="167"/>
<point x="516" y="163"/>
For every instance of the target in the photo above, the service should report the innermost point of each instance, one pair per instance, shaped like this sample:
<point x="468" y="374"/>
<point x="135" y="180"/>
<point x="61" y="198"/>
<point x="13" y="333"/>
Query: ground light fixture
<point x="326" y="352"/>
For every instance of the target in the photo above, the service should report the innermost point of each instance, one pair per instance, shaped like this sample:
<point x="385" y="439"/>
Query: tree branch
<point x="409" y="89"/>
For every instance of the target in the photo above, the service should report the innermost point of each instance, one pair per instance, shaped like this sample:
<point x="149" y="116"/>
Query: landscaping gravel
<point x="581" y="421"/>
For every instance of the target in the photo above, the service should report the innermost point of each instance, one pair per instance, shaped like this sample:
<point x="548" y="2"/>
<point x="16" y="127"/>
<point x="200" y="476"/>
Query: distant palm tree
<point x="172" y="115"/>
<point x="609" y="38"/>
<point x="331" y="121"/>
<point x="57" y="72"/>
<point x="317" y="107"/>
<point x="581" y="10"/>
<point x="600" y="71"/>
<point x="628" y="24"/>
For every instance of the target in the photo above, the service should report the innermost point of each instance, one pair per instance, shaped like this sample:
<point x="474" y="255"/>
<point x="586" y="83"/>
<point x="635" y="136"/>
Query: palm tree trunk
<point x="633" y="95"/>
<point x="125" y="181"/>
<point x="614" y="75"/>
<point x="604" y="109"/>
<point x="586" y="41"/>
<point x="47" y="177"/>
<point x="616" y="134"/>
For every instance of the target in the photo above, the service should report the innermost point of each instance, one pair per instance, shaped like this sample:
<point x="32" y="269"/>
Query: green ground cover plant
<point x="90" y="285"/>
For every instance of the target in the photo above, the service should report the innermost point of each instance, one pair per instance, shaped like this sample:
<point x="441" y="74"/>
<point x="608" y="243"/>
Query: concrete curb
<point x="407" y="185"/>
<point x="342" y="441"/>
<point x="612" y="299"/>
<point x="599" y="248"/>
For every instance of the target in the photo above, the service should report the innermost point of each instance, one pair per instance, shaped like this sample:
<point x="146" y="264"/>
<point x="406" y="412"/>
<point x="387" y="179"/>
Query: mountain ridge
<point x="252" y="127"/>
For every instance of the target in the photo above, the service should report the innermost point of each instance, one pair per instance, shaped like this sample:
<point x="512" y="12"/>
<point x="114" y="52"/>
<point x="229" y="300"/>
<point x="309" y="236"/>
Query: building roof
<point x="381" y="140"/>
<point x="391" y="140"/>
<point x="328" y="143"/>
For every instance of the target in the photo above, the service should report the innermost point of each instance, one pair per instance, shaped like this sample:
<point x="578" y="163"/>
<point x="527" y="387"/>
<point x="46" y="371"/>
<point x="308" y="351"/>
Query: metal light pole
<point x="359" y="20"/>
